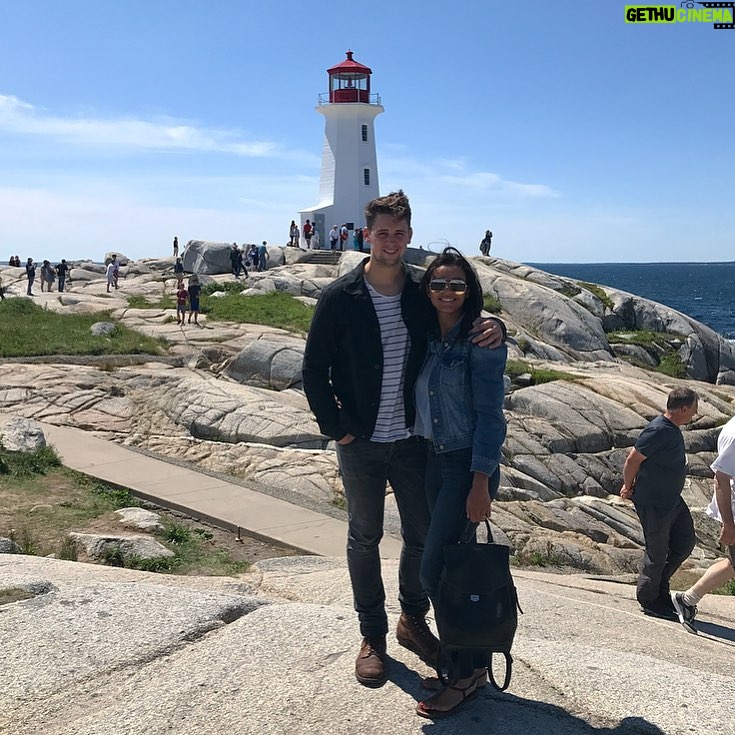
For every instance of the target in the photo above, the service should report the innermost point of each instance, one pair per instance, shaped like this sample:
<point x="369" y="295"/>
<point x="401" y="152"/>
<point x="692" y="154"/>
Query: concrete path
<point x="202" y="496"/>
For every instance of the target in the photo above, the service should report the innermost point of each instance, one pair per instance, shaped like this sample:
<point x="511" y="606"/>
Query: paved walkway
<point x="223" y="503"/>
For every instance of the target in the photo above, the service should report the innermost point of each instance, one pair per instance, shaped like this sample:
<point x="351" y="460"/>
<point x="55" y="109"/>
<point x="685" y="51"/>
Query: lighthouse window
<point x="366" y="176"/>
<point x="364" y="133"/>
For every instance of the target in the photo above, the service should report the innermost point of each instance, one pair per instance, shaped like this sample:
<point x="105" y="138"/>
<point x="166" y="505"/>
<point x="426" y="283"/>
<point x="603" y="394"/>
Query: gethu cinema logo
<point x="719" y="13"/>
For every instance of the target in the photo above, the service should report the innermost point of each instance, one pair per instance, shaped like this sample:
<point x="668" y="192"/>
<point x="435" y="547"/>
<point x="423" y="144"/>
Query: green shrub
<point x="69" y="549"/>
<point x="177" y="533"/>
<point x="26" y="540"/>
<point x="491" y="303"/>
<point x="26" y="464"/>
<point x="595" y="290"/>
<point x="568" y="290"/>
<point x="113" y="556"/>
<point x="672" y="365"/>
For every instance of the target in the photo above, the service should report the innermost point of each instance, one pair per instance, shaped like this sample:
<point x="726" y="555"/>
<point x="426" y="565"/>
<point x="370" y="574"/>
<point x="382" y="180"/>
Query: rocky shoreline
<point x="227" y="397"/>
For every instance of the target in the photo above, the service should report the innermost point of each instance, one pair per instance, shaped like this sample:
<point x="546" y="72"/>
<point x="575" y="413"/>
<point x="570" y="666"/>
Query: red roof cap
<point x="349" y="65"/>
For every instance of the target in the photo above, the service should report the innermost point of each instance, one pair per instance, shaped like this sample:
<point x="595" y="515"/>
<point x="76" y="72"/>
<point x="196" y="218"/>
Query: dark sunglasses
<point x="456" y="285"/>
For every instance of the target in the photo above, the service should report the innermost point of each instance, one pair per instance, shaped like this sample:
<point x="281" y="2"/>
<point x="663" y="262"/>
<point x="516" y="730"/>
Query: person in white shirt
<point x="722" y="509"/>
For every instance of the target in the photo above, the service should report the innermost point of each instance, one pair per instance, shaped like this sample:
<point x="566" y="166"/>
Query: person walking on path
<point x="365" y="347"/>
<point x="722" y="509"/>
<point x="30" y="274"/>
<point x="653" y="477"/>
<point x="333" y="237"/>
<point x="176" y="247"/>
<point x="61" y="270"/>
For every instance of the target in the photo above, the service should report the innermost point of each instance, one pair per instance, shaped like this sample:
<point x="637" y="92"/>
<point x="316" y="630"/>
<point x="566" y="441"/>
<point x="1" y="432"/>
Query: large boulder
<point x="22" y="435"/>
<point x="208" y="258"/>
<point x="268" y="363"/>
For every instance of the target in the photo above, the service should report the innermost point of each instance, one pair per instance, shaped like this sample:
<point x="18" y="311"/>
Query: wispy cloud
<point x="20" y="118"/>
<point x="457" y="173"/>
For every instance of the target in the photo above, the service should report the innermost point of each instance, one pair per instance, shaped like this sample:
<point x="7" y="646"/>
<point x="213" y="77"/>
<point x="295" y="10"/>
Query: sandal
<point x="424" y="709"/>
<point x="434" y="683"/>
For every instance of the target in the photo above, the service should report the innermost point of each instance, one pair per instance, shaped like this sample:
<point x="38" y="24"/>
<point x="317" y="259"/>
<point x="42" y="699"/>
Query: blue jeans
<point x="366" y="467"/>
<point x="448" y="482"/>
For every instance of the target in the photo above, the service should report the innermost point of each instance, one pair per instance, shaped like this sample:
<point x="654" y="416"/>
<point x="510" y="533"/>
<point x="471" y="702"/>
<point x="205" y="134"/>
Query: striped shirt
<point x="390" y="425"/>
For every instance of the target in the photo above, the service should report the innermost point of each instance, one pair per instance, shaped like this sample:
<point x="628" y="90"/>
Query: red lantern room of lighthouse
<point x="349" y="81"/>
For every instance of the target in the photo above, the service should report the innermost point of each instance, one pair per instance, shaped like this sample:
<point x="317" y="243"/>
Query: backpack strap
<point x="508" y="672"/>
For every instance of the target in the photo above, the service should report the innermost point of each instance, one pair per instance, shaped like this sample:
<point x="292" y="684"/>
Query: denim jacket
<point x="466" y="395"/>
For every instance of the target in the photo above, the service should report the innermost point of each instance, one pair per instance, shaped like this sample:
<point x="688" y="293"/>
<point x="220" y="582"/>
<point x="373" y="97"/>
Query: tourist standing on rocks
<point x="2" y="290"/>
<point x="293" y="234"/>
<point x="61" y="270"/>
<point x="364" y="350"/>
<point x="316" y="238"/>
<point x="48" y="276"/>
<point x="653" y="477"/>
<point x="235" y="260"/>
<point x="176" y="247"/>
<point x="263" y="256"/>
<point x="307" y="234"/>
<point x="253" y="256"/>
<point x="722" y="509"/>
<point x="333" y="237"/>
<point x="195" y="291"/>
<point x="179" y="269"/>
<point x="459" y="411"/>
<point x="30" y="274"/>
<point x="110" y="273"/>
<point x="486" y="243"/>
<point x="181" y="296"/>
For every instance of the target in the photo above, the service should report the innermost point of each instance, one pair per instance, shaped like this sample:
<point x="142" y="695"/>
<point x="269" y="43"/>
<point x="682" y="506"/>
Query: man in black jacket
<point x="365" y="348"/>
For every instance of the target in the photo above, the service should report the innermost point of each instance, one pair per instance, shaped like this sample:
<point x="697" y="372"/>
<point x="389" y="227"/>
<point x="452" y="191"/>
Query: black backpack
<point x="476" y="602"/>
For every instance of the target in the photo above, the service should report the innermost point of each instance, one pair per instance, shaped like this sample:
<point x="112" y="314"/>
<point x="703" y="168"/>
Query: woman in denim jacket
<point x="459" y="410"/>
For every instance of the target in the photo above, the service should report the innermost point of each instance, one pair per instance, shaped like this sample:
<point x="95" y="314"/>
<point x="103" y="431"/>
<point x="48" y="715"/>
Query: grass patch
<point x="28" y="330"/>
<point x="491" y="303"/>
<point x="595" y="290"/>
<point x="546" y="557"/>
<point x="141" y="302"/>
<point x="514" y="368"/>
<point x="41" y="503"/>
<point x="568" y="290"/>
<point x="26" y="464"/>
<point x="274" y="309"/>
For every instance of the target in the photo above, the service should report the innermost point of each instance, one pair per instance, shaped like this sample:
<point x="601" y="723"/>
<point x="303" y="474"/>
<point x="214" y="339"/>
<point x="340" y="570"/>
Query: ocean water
<point x="703" y="291"/>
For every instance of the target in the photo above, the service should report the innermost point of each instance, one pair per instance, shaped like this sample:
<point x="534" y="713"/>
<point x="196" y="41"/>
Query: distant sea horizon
<point x="702" y="291"/>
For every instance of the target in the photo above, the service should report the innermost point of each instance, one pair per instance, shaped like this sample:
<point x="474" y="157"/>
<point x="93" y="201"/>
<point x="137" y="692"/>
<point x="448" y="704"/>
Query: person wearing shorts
<point x="195" y="290"/>
<point x="722" y="509"/>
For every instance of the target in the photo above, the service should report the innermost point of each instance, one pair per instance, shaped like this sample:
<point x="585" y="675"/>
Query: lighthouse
<point x="349" y="177"/>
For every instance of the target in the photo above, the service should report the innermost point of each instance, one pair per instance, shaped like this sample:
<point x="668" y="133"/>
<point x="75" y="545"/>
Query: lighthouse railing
<point x="324" y="99"/>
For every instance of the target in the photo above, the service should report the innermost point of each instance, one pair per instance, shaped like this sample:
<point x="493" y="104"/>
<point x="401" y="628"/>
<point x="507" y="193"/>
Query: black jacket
<point x="343" y="360"/>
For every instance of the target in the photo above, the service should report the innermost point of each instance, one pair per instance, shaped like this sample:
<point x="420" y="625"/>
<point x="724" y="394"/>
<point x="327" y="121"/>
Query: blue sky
<point x="572" y="135"/>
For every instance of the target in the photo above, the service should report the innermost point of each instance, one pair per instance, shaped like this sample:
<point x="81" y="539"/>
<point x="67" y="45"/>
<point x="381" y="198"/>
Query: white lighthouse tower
<point x="349" y="178"/>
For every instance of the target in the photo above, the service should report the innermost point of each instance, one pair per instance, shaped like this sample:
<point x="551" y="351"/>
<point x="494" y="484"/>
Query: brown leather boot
<point x="414" y="633"/>
<point x="370" y="664"/>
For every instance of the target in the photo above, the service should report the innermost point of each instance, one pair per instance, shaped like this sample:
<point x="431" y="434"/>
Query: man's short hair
<point x="395" y="204"/>
<point x="681" y="397"/>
